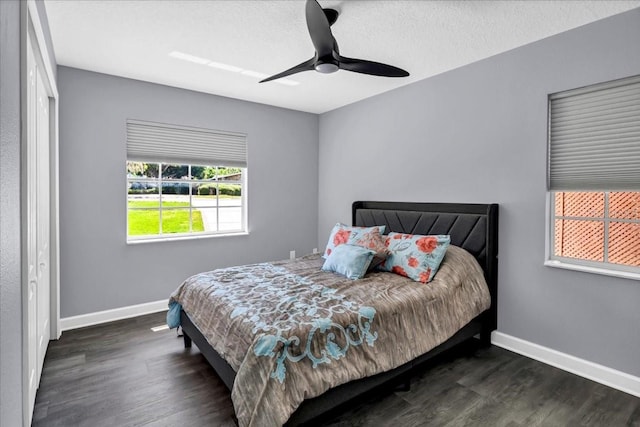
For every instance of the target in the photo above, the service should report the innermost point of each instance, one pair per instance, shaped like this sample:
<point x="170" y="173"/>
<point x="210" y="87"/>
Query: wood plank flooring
<point x="123" y="374"/>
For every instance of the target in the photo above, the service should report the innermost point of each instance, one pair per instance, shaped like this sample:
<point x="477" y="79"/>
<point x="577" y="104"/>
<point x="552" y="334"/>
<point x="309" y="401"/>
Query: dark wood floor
<point x="123" y="374"/>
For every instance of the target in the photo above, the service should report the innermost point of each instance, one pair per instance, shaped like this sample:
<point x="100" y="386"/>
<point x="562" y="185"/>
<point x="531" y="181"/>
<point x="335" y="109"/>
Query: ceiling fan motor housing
<point x="327" y="65"/>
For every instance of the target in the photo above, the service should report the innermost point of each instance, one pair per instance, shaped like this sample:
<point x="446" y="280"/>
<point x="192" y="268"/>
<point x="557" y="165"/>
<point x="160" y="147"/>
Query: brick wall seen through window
<point x="601" y="227"/>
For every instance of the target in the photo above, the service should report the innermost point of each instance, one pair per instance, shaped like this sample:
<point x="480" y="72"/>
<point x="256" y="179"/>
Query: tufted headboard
<point x="473" y="227"/>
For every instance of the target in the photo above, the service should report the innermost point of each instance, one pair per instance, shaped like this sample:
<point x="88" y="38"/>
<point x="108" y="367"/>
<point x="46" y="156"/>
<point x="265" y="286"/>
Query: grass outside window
<point x="145" y="220"/>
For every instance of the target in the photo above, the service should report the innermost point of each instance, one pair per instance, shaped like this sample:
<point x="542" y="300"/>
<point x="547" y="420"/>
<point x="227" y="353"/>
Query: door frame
<point x="31" y="28"/>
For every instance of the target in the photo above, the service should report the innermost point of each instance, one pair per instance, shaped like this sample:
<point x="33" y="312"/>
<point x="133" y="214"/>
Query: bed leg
<point x="187" y="340"/>
<point x="485" y="337"/>
<point x="405" y="385"/>
<point x="489" y="324"/>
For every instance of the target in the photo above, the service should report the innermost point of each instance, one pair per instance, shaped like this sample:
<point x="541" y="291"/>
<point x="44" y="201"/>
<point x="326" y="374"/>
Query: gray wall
<point x="99" y="270"/>
<point x="10" y="290"/>
<point x="478" y="134"/>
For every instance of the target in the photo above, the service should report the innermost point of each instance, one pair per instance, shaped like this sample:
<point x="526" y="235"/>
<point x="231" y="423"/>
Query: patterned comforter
<point x="292" y="331"/>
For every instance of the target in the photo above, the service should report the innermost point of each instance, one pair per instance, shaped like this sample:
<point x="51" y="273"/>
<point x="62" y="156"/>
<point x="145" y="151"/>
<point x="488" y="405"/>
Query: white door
<point x="31" y="225"/>
<point x="40" y="226"/>
<point x="42" y="218"/>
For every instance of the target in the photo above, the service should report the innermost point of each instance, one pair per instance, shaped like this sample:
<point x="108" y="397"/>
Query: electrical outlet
<point x="292" y="254"/>
<point x="315" y="250"/>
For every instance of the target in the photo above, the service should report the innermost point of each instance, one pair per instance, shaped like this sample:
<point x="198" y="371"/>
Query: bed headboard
<point x="473" y="227"/>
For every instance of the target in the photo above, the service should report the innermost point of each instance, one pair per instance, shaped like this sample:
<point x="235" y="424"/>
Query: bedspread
<point x="292" y="331"/>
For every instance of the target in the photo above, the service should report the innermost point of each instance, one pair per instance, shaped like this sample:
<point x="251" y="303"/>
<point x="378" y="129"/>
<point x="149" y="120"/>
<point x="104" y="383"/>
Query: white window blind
<point x="594" y="137"/>
<point x="168" y="143"/>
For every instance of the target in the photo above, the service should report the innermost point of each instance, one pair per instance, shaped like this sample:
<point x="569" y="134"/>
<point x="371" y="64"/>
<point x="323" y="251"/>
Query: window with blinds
<point x="593" y="176"/>
<point x="184" y="181"/>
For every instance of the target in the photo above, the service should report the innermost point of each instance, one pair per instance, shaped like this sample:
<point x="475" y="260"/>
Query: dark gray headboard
<point x="473" y="227"/>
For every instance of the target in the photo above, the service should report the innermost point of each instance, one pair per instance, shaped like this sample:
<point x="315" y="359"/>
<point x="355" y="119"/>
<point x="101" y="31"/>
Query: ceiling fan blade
<point x="370" y="67"/>
<point x="307" y="65"/>
<point x="319" y="29"/>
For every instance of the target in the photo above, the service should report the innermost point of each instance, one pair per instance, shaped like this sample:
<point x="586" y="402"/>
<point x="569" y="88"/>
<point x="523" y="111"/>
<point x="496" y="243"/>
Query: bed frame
<point x="473" y="227"/>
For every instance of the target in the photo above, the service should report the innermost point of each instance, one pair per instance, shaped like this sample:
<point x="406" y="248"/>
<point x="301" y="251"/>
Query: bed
<point x="473" y="229"/>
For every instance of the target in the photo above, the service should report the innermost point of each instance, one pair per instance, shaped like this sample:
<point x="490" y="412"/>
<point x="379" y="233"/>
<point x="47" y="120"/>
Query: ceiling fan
<point x="327" y="58"/>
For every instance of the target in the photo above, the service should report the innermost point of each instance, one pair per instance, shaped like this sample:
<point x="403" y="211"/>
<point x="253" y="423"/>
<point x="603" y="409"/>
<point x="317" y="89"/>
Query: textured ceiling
<point x="134" y="39"/>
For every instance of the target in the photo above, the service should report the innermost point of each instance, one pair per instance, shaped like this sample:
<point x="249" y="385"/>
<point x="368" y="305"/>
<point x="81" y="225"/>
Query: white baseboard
<point x="584" y="368"/>
<point x="105" y="316"/>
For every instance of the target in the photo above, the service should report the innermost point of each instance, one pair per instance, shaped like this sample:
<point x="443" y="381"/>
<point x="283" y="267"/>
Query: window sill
<point x="187" y="237"/>
<point x="595" y="270"/>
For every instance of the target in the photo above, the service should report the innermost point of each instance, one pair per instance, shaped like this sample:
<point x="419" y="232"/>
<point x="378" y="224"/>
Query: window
<point x="184" y="181"/>
<point x="594" y="178"/>
<point x="597" y="227"/>
<point x="166" y="199"/>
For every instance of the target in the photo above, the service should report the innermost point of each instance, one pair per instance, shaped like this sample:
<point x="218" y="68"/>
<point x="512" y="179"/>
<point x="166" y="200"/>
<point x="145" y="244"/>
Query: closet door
<point x="39" y="236"/>
<point x="38" y="227"/>
<point x="31" y="343"/>
<point x="42" y="221"/>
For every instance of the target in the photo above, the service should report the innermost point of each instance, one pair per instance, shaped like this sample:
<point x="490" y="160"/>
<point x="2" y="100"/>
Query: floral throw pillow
<point x="373" y="241"/>
<point x="415" y="256"/>
<point x="360" y="236"/>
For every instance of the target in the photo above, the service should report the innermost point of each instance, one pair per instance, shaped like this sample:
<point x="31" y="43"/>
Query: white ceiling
<point x="134" y="39"/>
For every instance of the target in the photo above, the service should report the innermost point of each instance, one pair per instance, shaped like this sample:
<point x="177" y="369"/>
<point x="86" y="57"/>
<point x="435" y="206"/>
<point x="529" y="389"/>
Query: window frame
<point x="576" y="264"/>
<point x="575" y="163"/>
<point x="135" y="239"/>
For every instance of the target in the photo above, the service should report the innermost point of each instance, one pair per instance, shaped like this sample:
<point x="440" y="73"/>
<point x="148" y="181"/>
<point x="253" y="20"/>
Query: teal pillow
<point x="349" y="260"/>
<point x="415" y="256"/>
